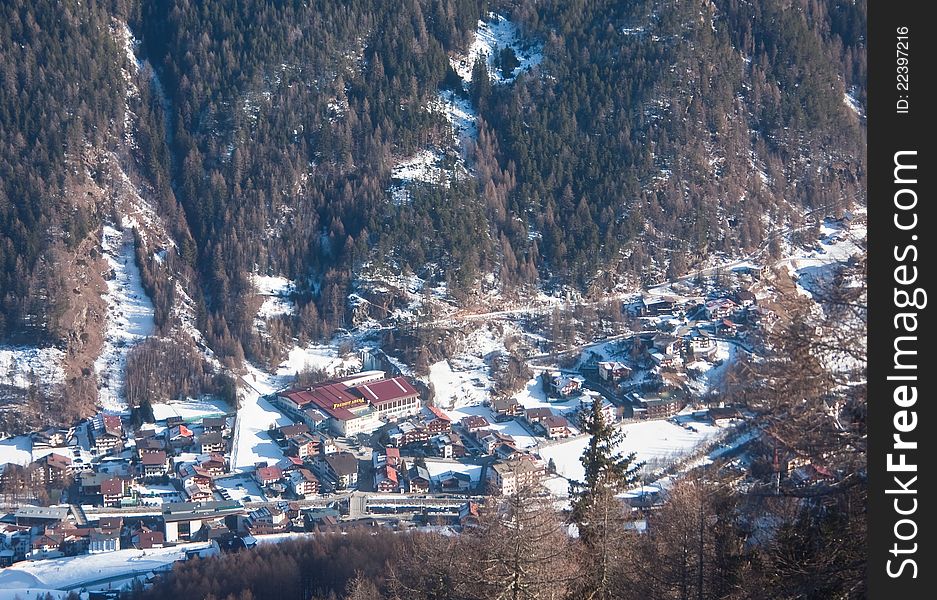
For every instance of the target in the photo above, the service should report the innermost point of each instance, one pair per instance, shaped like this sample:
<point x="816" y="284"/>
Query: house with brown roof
<point x="506" y="408"/>
<point x="268" y="475"/>
<point x="556" y="427"/>
<point x="436" y="421"/>
<point x="508" y="477"/>
<point x="154" y="464"/>
<point x="473" y="423"/>
<point x="343" y="468"/>
<point x="303" y="482"/>
<point x="304" y="445"/>
<point x="112" y="490"/>
<point x="55" y="468"/>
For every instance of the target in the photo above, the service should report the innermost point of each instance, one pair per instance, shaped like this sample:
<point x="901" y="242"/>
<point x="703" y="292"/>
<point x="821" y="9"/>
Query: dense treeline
<point x="653" y="134"/>
<point x="60" y="93"/>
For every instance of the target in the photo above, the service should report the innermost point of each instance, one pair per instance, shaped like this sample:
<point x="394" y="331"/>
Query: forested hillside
<point x="263" y="137"/>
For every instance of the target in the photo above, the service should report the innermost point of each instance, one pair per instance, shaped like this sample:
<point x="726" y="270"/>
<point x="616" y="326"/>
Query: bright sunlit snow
<point x="129" y="316"/>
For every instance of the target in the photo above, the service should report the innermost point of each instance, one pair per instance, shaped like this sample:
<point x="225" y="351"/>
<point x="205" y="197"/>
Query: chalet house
<point x="563" y="386"/>
<point x="556" y="427"/>
<point x="291" y="463"/>
<point x="48" y="543"/>
<point x="386" y="480"/>
<point x="107" y="433"/>
<point x="726" y="328"/>
<point x="150" y="444"/>
<point x="198" y="490"/>
<point x="505" y="451"/>
<point x="314" y="418"/>
<point x="506" y="478"/>
<point x="419" y="480"/>
<point x="327" y="444"/>
<point x="303" y="483"/>
<point x="667" y="344"/>
<point x="410" y="434"/>
<point x="268" y="475"/>
<point x="458" y="446"/>
<point x="304" y="445"/>
<point x="489" y="439"/>
<point x="213" y="464"/>
<point x="154" y="464"/>
<point x="89" y="482"/>
<point x="180" y="437"/>
<point x="506" y="408"/>
<point x="112" y="490"/>
<point x="290" y="431"/>
<point x="103" y="541"/>
<point x="721" y="308"/>
<point x="613" y="371"/>
<point x="267" y="519"/>
<point x="442" y="445"/>
<point x="745" y="298"/>
<point x="473" y="423"/>
<point x="701" y="344"/>
<point x="55" y="468"/>
<point x="664" y="361"/>
<point x="436" y="421"/>
<point x="661" y="408"/>
<point x="49" y="438"/>
<point x="455" y="482"/>
<point x="208" y="442"/>
<point x="656" y="306"/>
<point x="342" y="467"/>
<point x="219" y="424"/>
<point x="145" y="538"/>
<point x="536" y="415"/>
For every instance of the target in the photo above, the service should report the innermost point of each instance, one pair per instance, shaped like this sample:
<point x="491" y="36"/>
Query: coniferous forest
<point x="619" y="154"/>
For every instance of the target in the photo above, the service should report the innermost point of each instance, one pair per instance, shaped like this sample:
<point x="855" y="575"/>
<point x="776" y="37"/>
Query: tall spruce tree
<point x="598" y="514"/>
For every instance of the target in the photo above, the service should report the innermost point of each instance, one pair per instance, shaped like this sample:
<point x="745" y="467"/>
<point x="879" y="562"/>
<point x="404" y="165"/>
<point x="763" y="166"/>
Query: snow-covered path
<point x="129" y="316"/>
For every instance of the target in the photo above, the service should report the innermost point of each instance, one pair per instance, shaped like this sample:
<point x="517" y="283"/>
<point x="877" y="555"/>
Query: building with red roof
<point x="352" y="405"/>
<point x="391" y="398"/>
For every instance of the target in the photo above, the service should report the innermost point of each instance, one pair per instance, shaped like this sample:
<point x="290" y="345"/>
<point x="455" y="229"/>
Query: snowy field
<point x="497" y="32"/>
<point x="465" y="378"/>
<point x="17" y="450"/>
<point x="79" y="571"/>
<point x="191" y="410"/>
<point x="533" y="396"/>
<point x="129" y="317"/>
<point x="276" y="291"/>
<point x="23" y="366"/>
<point x="252" y="443"/>
<point x="657" y="443"/>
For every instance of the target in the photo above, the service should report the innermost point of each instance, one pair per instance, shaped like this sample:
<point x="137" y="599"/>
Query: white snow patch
<point x="16" y="450"/>
<point x="853" y="103"/>
<point x="79" y="571"/>
<point x="129" y="317"/>
<point x="655" y="442"/>
<point x="24" y="366"/>
<point x="497" y="32"/>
